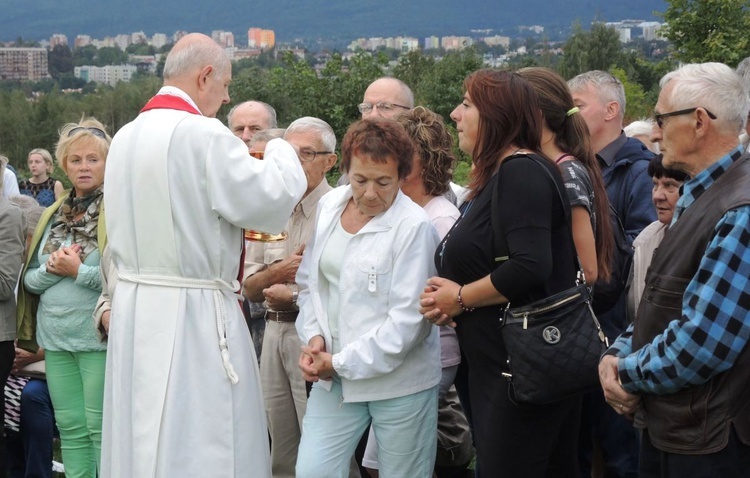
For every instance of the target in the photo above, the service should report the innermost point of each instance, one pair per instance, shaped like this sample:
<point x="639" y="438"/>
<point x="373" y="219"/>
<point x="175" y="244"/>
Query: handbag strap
<point x="497" y="228"/>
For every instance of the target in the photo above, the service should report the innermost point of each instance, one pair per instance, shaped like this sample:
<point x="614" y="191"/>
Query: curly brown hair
<point x="434" y="145"/>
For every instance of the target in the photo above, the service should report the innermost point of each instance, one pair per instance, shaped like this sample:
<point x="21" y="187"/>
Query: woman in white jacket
<point x="369" y="352"/>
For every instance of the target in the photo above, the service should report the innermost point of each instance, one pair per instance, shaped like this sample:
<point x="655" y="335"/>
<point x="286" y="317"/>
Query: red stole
<point x="170" y="102"/>
<point x="173" y="102"/>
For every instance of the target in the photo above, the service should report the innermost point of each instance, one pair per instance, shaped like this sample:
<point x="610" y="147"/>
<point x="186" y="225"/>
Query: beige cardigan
<point x="644" y="247"/>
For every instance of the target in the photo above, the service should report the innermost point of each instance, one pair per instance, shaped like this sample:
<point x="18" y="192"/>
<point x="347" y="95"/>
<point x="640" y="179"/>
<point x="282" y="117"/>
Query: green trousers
<point x="76" y="386"/>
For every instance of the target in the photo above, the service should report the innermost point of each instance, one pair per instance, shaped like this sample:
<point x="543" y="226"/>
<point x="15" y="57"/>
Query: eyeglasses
<point x="94" y="131"/>
<point x="660" y="117"/>
<point x="308" y="155"/>
<point x="381" y="105"/>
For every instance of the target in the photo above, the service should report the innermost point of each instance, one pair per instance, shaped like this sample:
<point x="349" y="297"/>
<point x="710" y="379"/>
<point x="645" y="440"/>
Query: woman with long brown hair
<point x="565" y="139"/>
<point x="499" y="124"/>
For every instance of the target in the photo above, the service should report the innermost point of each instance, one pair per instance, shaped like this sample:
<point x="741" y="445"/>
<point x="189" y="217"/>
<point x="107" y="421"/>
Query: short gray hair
<point x="266" y="135"/>
<point x="271" y="113"/>
<point x="713" y="86"/>
<point x="406" y="92"/>
<point x="195" y="56"/>
<point x="607" y="86"/>
<point x="324" y="130"/>
<point x="31" y="209"/>
<point x="743" y="69"/>
<point x="640" y="127"/>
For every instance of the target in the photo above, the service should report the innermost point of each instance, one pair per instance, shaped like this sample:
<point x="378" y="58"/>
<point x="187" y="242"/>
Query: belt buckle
<point x="273" y="315"/>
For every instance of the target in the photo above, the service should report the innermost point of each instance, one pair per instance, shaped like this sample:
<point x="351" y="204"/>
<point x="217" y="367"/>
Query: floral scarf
<point x="84" y="230"/>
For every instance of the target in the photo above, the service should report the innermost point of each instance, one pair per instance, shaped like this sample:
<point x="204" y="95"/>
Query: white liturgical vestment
<point x="182" y="392"/>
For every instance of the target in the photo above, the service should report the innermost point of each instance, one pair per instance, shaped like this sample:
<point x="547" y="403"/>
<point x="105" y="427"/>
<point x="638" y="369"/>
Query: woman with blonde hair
<point x="62" y="283"/>
<point x="41" y="186"/>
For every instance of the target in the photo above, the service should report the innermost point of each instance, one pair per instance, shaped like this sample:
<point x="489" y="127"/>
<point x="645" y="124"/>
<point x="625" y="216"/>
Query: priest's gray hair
<point x="183" y="60"/>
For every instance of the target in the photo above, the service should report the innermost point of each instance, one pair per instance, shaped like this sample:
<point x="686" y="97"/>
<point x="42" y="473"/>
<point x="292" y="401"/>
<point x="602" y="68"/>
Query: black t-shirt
<point x="540" y="260"/>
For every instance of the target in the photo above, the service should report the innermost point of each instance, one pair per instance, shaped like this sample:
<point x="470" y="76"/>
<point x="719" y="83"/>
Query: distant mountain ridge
<point x="344" y="19"/>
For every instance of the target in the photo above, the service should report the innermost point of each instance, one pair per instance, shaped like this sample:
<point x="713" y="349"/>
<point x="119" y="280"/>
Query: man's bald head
<point x="387" y="90"/>
<point x="201" y="68"/>
<point x="190" y="54"/>
<point x="249" y="117"/>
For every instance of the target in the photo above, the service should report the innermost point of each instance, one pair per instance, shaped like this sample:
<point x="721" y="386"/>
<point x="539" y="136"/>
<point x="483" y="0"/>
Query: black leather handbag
<point x="553" y="344"/>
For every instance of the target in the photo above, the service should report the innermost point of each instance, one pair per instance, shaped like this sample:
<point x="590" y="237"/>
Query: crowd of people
<point x="202" y="302"/>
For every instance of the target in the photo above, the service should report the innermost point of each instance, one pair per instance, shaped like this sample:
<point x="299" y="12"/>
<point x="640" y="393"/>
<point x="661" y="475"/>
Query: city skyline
<point x="298" y="19"/>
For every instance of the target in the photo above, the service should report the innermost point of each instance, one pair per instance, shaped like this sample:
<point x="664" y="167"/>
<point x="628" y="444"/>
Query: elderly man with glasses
<point x="683" y="367"/>
<point x="386" y="97"/>
<point x="271" y="268"/>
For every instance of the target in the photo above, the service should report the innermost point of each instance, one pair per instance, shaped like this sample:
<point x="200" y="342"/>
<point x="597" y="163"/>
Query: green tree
<point x="69" y="82"/>
<point x="604" y="47"/>
<point x="60" y="60"/>
<point x="442" y="88"/>
<point x="637" y="104"/>
<point x="294" y="90"/>
<point x="709" y="30"/>
<point x="597" y="49"/>
<point x="343" y="88"/>
<point x="140" y="49"/>
<point x="84" y="55"/>
<point x="412" y="68"/>
<point x="576" y="57"/>
<point x="16" y="126"/>
<point x="110" y="55"/>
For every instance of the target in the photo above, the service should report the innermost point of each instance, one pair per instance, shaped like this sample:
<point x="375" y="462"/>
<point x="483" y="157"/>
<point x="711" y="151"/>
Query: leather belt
<point x="282" y="315"/>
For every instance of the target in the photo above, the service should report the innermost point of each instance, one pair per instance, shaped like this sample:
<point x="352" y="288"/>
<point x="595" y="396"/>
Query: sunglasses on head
<point x="94" y="131"/>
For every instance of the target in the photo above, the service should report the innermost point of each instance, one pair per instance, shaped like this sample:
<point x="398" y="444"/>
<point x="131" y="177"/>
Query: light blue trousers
<point x="406" y="430"/>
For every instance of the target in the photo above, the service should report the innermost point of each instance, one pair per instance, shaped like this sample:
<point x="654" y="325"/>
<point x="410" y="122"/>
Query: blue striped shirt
<point x="715" y="324"/>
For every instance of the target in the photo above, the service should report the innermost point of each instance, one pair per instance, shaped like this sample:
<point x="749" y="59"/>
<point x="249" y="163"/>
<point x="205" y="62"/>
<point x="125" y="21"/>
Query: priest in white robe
<point x="182" y="393"/>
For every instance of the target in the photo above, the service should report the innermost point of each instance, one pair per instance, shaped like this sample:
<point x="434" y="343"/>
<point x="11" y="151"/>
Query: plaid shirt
<point x="715" y="324"/>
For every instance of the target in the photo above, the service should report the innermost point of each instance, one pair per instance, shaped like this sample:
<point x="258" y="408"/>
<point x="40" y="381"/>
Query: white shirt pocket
<point x="373" y="274"/>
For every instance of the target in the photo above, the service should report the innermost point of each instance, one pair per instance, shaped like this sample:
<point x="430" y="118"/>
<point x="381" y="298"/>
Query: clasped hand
<point x="438" y="303"/>
<point x="285" y="270"/>
<point x="24" y="358"/>
<point x="65" y="261"/>
<point x="620" y="400"/>
<point x="278" y="297"/>
<point x="315" y="363"/>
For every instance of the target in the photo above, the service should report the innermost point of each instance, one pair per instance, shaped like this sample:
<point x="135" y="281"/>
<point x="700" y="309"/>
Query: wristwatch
<point x="295" y="294"/>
